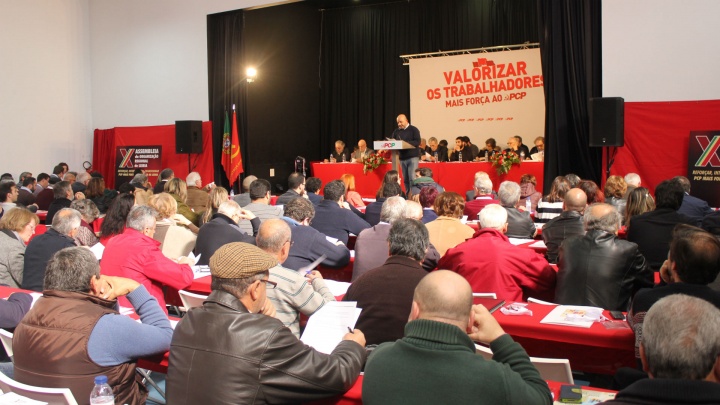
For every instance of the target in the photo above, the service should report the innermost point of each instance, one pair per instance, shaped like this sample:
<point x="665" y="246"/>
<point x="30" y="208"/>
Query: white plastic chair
<point x="485" y="295"/>
<point x="6" y="338"/>
<point x="550" y="369"/>
<point x="191" y="300"/>
<point x="53" y="396"/>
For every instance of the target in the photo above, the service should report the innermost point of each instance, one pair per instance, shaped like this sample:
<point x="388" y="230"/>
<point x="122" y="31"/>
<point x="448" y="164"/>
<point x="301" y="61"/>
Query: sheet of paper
<point x="337" y="287"/>
<point x="331" y="239"/>
<point x="539" y="245"/>
<point x="12" y="398"/>
<point x="573" y="315"/>
<point x="98" y="250"/>
<point x="310" y="267"/>
<point x="326" y="327"/>
<point x="519" y="241"/>
<point x="194" y="258"/>
<point x="200" y="271"/>
<point x="35" y="296"/>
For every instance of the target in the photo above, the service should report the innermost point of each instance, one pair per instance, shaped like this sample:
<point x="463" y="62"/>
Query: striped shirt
<point x="547" y="211"/>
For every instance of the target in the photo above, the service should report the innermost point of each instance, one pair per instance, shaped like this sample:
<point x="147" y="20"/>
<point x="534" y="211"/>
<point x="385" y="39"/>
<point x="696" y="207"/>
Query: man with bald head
<point x="436" y="362"/>
<point x="295" y="292"/>
<point x="362" y="152"/>
<point x="567" y="224"/>
<point x="409" y="158"/>
<point x="599" y="269"/>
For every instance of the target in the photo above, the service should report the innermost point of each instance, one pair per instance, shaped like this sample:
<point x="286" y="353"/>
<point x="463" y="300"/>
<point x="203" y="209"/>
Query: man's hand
<point x="357" y="336"/>
<point x="181" y="220"/>
<point x="186" y="260"/>
<point x="79" y="196"/>
<point x="345" y="205"/>
<point x="109" y="287"/>
<point x="268" y="309"/>
<point x="246" y="214"/>
<point x="313" y="275"/>
<point x="485" y="328"/>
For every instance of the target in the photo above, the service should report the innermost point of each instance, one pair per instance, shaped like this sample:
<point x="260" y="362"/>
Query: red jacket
<point x="136" y="256"/>
<point x="490" y="263"/>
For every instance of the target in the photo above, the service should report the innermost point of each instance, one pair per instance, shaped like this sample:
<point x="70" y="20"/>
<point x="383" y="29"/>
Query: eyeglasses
<point x="270" y="285"/>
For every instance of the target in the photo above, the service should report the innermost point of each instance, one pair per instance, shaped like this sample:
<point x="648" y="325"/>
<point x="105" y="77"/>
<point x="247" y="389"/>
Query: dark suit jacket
<point x="159" y="187"/>
<point x="286" y="197"/>
<point x="38" y="253"/>
<point x="55" y="206"/>
<point x="372" y="211"/>
<point x="218" y="232"/>
<point x="44" y="198"/>
<point x="695" y="209"/>
<point x="25" y="197"/>
<point x="309" y="244"/>
<point x="520" y="225"/>
<point x="652" y="231"/>
<point x="337" y="222"/>
<point x="314" y="198"/>
<point x="567" y="224"/>
<point x="441" y="151"/>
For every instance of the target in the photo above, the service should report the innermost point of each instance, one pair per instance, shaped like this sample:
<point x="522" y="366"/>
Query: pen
<point x="350" y="330"/>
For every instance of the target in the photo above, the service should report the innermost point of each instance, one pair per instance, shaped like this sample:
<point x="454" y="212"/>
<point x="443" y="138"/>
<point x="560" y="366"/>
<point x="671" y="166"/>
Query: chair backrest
<point x="6" y="338"/>
<point x="485" y="295"/>
<point x="175" y="241"/>
<point x="191" y="300"/>
<point x="53" y="396"/>
<point x="550" y="369"/>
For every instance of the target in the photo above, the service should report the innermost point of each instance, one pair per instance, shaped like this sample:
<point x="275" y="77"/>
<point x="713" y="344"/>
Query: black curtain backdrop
<point x="364" y="85"/>
<point x="225" y="83"/>
<point x="570" y="45"/>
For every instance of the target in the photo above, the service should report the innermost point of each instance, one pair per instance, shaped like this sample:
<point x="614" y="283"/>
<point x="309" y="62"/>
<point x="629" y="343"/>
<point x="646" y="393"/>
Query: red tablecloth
<point x="595" y="349"/>
<point x="454" y="176"/>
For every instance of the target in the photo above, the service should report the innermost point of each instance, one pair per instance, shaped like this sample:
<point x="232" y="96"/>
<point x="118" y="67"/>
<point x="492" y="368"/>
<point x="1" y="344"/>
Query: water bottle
<point x="486" y="155"/>
<point x="101" y="394"/>
<point x="460" y="156"/>
<point x="232" y="193"/>
<point x="522" y="155"/>
<point x="435" y="155"/>
<point x="528" y="205"/>
<point x="332" y="159"/>
<point x="343" y="157"/>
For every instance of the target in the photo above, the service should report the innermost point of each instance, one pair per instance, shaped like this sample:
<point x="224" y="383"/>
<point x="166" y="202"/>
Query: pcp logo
<point x="710" y="148"/>
<point x="388" y="144"/>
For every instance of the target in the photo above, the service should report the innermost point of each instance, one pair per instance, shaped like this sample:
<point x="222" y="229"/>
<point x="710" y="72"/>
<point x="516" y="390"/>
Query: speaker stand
<point x="609" y="160"/>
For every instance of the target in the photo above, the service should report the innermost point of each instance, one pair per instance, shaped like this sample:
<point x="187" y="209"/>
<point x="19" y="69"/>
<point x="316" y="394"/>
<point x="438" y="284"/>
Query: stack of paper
<point x="326" y="327"/>
<point x="571" y="315"/>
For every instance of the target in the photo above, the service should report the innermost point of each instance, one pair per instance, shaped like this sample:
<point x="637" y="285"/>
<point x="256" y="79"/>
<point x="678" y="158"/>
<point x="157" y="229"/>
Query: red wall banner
<point x="657" y="136"/>
<point x="107" y="141"/>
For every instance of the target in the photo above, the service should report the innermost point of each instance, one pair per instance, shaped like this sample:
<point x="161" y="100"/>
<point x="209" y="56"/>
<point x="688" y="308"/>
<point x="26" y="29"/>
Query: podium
<point x="393" y="145"/>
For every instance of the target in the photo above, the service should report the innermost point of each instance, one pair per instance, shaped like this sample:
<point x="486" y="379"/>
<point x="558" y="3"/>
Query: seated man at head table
<point x="599" y="269"/>
<point x="362" y="152"/>
<point x="490" y="263"/>
<point x="515" y="145"/>
<point x="75" y="332"/>
<point x="385" y="293"/>
<point x="339" y="154"/>
<point x="680" y="352"/>
<point x="308" y="243"/>
<point x="434" y="152"/>
<point x="435" y="362"/>
<point x="234" y="353"/>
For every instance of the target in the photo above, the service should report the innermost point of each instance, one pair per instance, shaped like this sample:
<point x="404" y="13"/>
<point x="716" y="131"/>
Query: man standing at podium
<point x="408" y="157"/>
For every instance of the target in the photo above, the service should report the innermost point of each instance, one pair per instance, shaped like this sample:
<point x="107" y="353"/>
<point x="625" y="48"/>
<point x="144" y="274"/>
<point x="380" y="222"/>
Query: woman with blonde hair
<point x="178" y="190"/>
<point x="639" y="201"/>
<point x="216" y="196"/>
<point x="17" y="226"/>
<point x="447" y="231"/>
<point x="171" y="226"/>
<point x="351" y="196"/>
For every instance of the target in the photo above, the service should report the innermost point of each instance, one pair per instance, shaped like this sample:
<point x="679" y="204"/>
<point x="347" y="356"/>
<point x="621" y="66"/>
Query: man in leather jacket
<point x="232" y="353"/>
<point x="598" y="269"/>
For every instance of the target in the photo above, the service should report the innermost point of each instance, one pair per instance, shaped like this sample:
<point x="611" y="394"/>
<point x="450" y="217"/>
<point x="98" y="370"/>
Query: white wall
<point x="661" y="50"/>
<point x="70" y="66"/>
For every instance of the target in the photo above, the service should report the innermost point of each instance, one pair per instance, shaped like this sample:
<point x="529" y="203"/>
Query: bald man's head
<point x="575" y="200"/>
<point x="443" y="296"/>
<point x="273" y="235"/>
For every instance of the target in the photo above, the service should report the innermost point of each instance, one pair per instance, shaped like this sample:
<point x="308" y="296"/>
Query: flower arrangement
<point x="503" y="161"/>
<point x="371" y="162"/>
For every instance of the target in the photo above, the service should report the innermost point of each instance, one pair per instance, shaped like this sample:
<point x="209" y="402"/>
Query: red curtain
<point x="106" y="141"/>
<point x="657" y="136"/>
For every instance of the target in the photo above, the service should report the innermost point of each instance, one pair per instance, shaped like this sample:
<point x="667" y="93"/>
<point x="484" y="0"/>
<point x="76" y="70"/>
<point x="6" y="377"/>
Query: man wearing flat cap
<point x="234" y="354"/>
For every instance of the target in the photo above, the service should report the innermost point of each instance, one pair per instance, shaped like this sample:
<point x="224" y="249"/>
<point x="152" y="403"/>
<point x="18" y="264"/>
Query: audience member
<point x="491" y="263"/>
<point x="632" y="180"/>
<point x="234" y="354"/>
<point x="175" y="240"/>
<point x="114" y="222"/>
<point x="693" y="263"/>
<point x="81" y="182"/>
<point x="58" y="172"/>
<point x="333" y="216"/>
<point x="223" y="229"/>
<point x="308" y="243"/>
<point x="391" y="176"/>
<point x="639" y="201"/>
<point x="692" y="207"/>
<point x="681" y="353"/>
<point x="136" y="255"/>
<point x="652" y="231"/>
<point x="447" y="230"/>
<point x="17" y="226"/>
<point x="243" y="199"/>
<point x="141" y="181"/>
<point x="166" y="175"/>
<point x="520" y="225"/>
<point x="215" y="197"/>
<point x="88" y="214"/>
<point x="197" y="195"/>
<point x="75" y="331"/>
<point x="615" y="194"/>
<point x="351" y="196"/>
<point x="372" y="212"/>
<point x="43" y="180"/>
<point x="573" y="179"/>
<point x="711" y="223"/>
<point x="438" y="345"/>
<point x="593" y="192"/>
<point x="178" y="190"/>
<point x="527" y="190"/>
<point x="599" y="269"/>
<point x="260" y="205"/>
<point x="294" y="293"/>
<point x="312" y="186"/>
<point x="12" y="311"/>
<point x="483" y="197"/>
<point x="63" y="194"/>
<point x="569" y="223"/>
<point x="296" y="188"/>
<point x="427" y="200"/>
<point x="371" y="246"/>
<point x="95" y="191"/>
<point x="65" y="226"/>
<point x="26" y="196"/>
<point x="551" y="205"/>
<point x="8" y="195"/>
<point x="424" y="178"/>
<point x="385" y="293"/>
